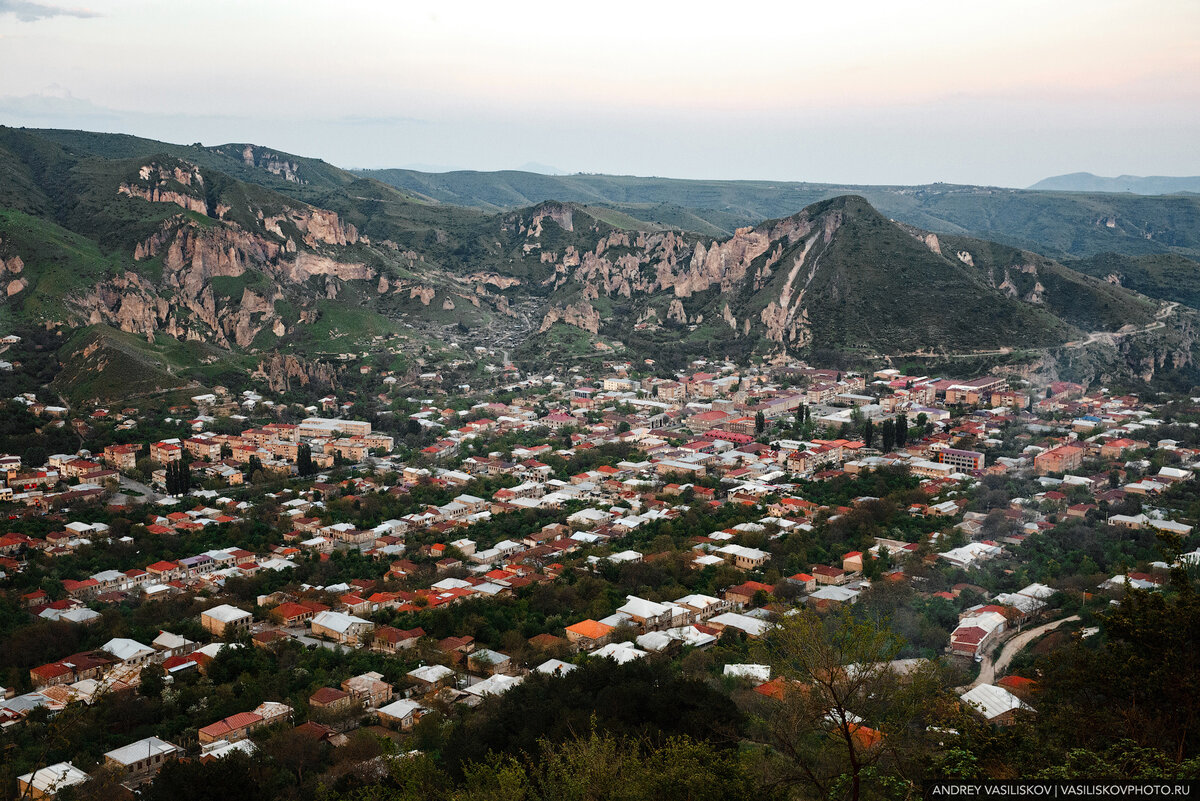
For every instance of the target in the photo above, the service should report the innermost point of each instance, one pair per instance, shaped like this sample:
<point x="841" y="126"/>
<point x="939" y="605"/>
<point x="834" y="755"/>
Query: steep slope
<point x="157" y="244"/>
<point x="837" y="276"/>
<point x="1052" y="223"/>
<point x="1165" y="276"/>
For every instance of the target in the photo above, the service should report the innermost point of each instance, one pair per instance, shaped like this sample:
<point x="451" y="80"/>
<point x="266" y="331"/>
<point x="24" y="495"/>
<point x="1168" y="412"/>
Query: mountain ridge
<point x="1060" y="225"/>
<point x="1133" y="184"/>
<point x="286" y="257"/>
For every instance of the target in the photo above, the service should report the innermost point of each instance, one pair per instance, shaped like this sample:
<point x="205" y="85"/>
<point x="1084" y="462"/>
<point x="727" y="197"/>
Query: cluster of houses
<point x="705" y="438"/>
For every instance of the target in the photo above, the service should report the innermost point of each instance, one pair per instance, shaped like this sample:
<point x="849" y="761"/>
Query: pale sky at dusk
<point x="866" y="92"/>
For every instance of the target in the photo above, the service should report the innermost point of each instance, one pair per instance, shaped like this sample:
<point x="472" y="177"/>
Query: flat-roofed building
<point x="328" y="426"/>
<point x="963" y="460"/>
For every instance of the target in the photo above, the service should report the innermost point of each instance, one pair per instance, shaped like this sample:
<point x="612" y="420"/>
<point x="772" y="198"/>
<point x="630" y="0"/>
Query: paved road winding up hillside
<point x="1012" y="646"/>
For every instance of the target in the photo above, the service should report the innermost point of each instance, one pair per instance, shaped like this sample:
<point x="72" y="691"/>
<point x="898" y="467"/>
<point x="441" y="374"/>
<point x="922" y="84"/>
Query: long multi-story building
<point x="328" y="426"/>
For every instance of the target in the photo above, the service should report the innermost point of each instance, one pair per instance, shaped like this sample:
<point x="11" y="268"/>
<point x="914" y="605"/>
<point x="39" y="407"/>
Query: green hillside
<point x="151" y="248"/>
<point x="1162" y="276"/>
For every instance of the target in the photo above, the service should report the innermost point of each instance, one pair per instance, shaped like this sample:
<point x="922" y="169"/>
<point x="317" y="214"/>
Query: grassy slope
<point x="1078" y="299"/>
<point x="99" y="362"/>
<point x="1163" y="276"/>
<point x="57" y="264"/>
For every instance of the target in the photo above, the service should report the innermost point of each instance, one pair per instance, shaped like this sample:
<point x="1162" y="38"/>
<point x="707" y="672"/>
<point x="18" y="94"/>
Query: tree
<point x="760" y="422"/>
<point x="105" y="784"/>
<point x="293" y="750"/>
<point x="889" y="435"/>
<point x="178" y="478"/>
<point x="304" y="462"/>
<point x="593" y="767"/>
<point x="237" y="775"/>
<point x="152" y="680"/>
<point x="868" y="432"/>
<point x="848" y="723"/>
<point x="34" y="456"/>
<point x="1147" y="659"/>
<point x="901" y="429"/>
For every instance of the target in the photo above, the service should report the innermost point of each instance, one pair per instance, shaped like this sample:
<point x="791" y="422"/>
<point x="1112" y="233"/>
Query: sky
<point x="997" y="93"/>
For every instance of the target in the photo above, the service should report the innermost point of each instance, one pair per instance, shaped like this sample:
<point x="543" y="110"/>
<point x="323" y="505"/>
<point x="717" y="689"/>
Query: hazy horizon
<point x="877" y="94"/>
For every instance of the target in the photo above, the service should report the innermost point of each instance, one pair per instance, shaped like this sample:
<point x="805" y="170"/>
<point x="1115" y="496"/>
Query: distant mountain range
<point x="1133" y="184"/>
<point x="1055" y="224"/>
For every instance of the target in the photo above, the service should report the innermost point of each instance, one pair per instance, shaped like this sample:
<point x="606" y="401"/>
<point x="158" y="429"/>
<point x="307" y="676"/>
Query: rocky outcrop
<point x="157" y="194"/>
<point x="561" y="213"/>
<point x="282" y="371"/>
<point x="161" y="183"/>
<point x="253" y="313"/>
<point x="307" y="265"/>
<point x="493" y="279"/>
<point x="286" y="169"/>
<point x="581" y="315"/>
<point x="128" y="302"/>
<point x="425" y="293"/>
<point x="316" y="226"/>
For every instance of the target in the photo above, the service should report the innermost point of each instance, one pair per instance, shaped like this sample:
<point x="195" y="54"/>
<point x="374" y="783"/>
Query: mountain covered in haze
<point x="1133" y="184"/>
<point x="162" y="264"/>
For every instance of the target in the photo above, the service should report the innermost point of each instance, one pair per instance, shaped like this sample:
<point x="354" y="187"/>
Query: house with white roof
<point x="751" y="626"/>
<point x="401" y="714"/>
<point x="647" y="614"/>
<point x="742" y="557"/>
<point x="429" y="677"/>
<point x="758" y="674"/>
<point x="620" y="652"/>
<point x="129" y="652"/>
<point x="46" y="782"/>
<point x="340" y="627"/>
<point x="996" y="704"/>
<point x="140" y="761"/>
<point x="494" y="685"/>
<point x="225" y="620"/>
<point x="554" y="667"/>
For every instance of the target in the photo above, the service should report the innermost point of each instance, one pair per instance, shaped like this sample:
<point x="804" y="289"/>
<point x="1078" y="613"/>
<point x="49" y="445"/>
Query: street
<point x="1011" y="647"/>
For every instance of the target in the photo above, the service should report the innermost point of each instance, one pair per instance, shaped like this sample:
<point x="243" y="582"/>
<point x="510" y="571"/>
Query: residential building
<point x="225" y="620"/>
<point x="140" y="761"/>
